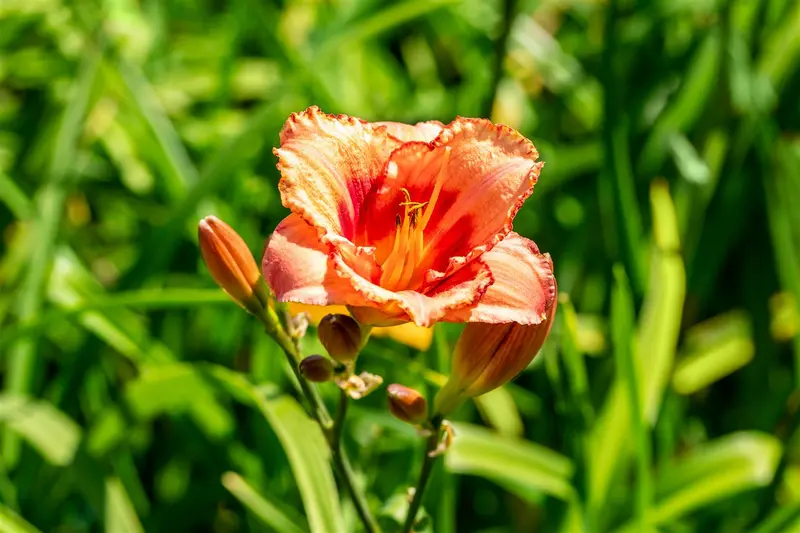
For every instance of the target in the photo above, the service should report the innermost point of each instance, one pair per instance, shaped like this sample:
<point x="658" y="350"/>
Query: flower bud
<point x="488" y="356"/>
<point x="407" y="404"/>
<point x="316" y="368"/>
<point x="341" y="336"/>
<point x="231" y="264"/>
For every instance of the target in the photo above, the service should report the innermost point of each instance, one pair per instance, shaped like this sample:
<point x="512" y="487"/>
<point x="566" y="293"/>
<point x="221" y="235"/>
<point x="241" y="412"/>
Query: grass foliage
<point x="135" y="397"/>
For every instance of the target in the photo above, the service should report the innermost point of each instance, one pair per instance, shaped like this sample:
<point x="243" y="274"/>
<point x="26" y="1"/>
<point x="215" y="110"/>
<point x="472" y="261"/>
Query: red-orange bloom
<point x="407" y="223"/>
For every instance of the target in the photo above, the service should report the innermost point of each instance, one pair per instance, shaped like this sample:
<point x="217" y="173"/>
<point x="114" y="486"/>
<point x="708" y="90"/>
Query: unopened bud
<point x="407" y="404"/>
<point x="231" y="264"/>
<point x="316" y="368"/>
<point x="488" y="356"/>
<point x="341" y="336"/>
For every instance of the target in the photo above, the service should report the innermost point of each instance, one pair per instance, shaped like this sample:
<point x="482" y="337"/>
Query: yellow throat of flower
<point x="409" y="245"/>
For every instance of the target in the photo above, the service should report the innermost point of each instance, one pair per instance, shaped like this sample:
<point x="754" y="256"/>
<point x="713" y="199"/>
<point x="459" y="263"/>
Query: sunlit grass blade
<point x="391" y="16"/>
<point x="160" y="245"/>
<point x="574" y="362"/>
<point x="301" y="440"/>
<point x="49" y="209"/>
<point x="266" y="511"/>
<point x="145" y="299"/>
<point x="522" y="467"/>
<point x="182" y="173"/>
<point x="73" y="285"/>
<point x="52" y="433"/>
<point x="713" y="471"/>
<point x="499" y="410"/>
<point x="11" y="522"/>
<point x="779" y="56"/>
<point x="660" y="321"/>
<point x="629" y="367"/>
<point x="120" y="515"/>
<point x="14" y="198"/>
<point x="688" y="104"/>
<point x="178" y="388"/>
<point x="782" y="195"/>
<point x="714" y="349"/>
<point x="784" y="519"/>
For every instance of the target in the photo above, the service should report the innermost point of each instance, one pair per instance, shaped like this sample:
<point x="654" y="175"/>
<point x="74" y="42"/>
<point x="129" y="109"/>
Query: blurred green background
<point x="137" y="398"/>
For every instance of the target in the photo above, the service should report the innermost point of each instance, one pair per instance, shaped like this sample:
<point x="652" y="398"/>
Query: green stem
<point x="425" y="473"/>
<point x="338" y="421"/>
<point x="317" y="410"/>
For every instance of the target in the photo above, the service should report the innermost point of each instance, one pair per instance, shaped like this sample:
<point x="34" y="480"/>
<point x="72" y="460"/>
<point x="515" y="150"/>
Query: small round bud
<point x="407" y="404"/>
<point x="316" y="368"/>
<point x="341" y="336"/>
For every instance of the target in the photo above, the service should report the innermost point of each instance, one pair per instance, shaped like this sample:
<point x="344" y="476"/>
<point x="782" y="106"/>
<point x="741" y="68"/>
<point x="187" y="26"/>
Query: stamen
<point x="409" y="246"/>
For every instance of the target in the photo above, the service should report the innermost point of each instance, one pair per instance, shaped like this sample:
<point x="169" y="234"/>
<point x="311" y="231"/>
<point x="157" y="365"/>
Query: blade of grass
<point x="520" y="466"/>
<point x="14" y="198"/>
<point x="49" y="211"/>
<point x="182" y="173"/>
<point x="159" y="248"/>
<point x="145" y="299"/>
<point x="618" y="169"/>
<point x="55" y="435"/>
<point x="382" y="21"/>
<point x="659" y="325"/>
<point x="623" y="338"/>
<point x="11" y="522"/>
<point x="120" y="516"/>
<point x="302" y="441"/>
<point x="779" y="198"/>
<point x="266" y="511"/>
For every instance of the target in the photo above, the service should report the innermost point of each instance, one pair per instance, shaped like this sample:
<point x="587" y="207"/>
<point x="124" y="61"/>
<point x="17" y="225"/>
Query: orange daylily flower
<point x="405" y="223"/>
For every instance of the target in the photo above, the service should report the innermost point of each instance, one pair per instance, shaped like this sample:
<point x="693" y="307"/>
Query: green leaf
<point x="714" y="471"/>
<point x="629" y="367"/>
<point x="49" y="210"/>
<point x="609" y="443"/>
<point x="308" y="454"/>
<point x="714" y="349"/>
<point x="660" y="321"/>
<point x="522" y="467"/>
<point x="266" y="511"/>
<point x="500" y="411"/>
<point x="391" y="16"/>
<point x="13" y="197"/>
<point x="178" y="388"/>
<point x="52" y="433"/>
<point x="11" y="522"/>
<point x="784" y="519"/>
<point x="120" y="517"/>
<point x="145" y="299"/>
<point x="303" y="442"/>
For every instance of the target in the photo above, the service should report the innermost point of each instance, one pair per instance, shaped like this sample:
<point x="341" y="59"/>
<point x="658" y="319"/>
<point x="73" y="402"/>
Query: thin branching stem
<point x="425" y="473"/>
<point x="331" y="429"/>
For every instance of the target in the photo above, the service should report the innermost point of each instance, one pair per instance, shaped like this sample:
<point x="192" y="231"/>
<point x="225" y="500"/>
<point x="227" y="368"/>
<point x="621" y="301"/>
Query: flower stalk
<point x="428" y="460"/>
<point x="235" y="271"/>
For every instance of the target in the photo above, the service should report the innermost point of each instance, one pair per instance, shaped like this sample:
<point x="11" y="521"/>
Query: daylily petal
<point x="421" y="131"/>
<point x="328" y="164"/>
<point x="474" y="177"/>
<point x="387" y="308"/>
<point x="298" y="267"/>
<point x="524" y="286"/>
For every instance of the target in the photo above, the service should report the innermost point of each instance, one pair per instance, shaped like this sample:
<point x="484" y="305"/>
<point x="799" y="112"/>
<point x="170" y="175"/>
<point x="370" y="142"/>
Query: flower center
<point x="409" y="240"/>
